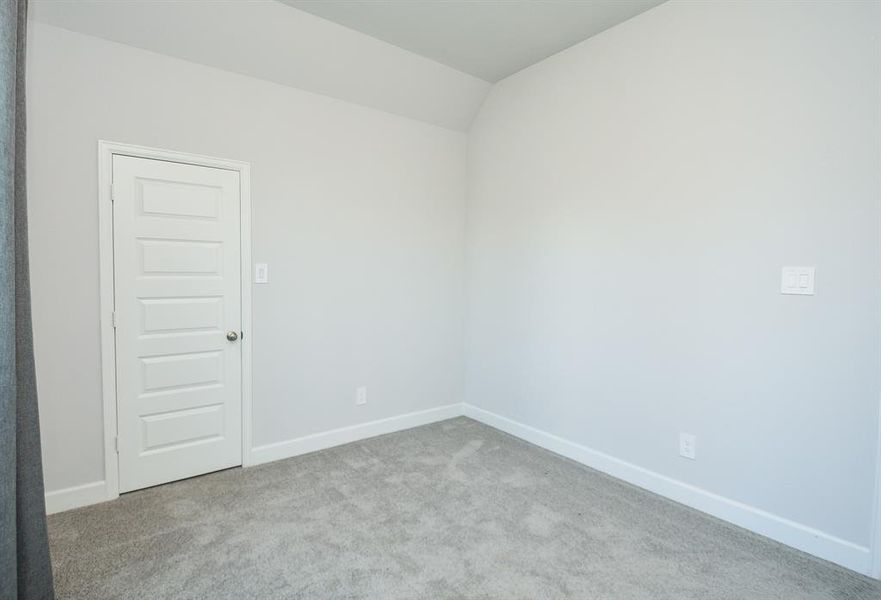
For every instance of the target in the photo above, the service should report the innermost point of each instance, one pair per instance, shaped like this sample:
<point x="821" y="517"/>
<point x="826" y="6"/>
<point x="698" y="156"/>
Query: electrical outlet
<point x="361" y="396"/>
<point x="687" y="445"/>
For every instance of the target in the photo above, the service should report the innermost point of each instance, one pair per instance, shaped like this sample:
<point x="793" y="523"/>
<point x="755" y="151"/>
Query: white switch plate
<point x="261" y="273"/>
<point x="361" y="396"/>
<point x="687" y="445"/>
<point x="797" y="280"/>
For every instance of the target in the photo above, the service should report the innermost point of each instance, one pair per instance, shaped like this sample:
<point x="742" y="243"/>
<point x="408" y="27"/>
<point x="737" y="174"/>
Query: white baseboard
<point x="807" y="539"/>
<point x="95" y="492"/>
<point x="802" y="537"/>
<point x="344" y="435"/>
<point x="76" y="496"/>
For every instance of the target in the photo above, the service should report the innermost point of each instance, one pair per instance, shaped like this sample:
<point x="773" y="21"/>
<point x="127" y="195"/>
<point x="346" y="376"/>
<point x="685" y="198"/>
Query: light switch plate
<point x="797" y="280"/>
<point x="261" y="273"/>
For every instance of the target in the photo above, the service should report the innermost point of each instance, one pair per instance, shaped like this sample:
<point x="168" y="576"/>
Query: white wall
<point x="632" y="201"/>
<point x="359" y="214"/>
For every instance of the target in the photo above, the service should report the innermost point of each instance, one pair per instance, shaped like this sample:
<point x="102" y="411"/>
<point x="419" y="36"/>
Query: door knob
<point x="232" y="336"/>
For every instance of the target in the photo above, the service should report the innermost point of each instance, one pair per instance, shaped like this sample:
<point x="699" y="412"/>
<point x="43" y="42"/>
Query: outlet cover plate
<point x="687" y="446"/>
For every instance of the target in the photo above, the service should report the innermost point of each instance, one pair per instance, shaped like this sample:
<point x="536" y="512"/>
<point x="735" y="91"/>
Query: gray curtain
<point x="25" y="568"/>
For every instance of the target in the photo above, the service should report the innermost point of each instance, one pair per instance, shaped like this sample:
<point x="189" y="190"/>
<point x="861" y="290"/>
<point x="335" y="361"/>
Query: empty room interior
<point x="443" y="299"/>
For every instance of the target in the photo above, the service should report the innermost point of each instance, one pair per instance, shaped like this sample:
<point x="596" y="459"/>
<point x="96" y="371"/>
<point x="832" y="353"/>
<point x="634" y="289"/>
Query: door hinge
<point x="113" y="319"/>
<point x="116" y="444"/>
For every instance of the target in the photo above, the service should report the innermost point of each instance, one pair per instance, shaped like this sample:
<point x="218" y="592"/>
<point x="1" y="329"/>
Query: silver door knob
<point x="232" y="336"/>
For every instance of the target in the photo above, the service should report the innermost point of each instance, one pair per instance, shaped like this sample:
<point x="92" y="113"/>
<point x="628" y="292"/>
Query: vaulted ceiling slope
<point x="272" y="41"/>
<point x="490" y="39"/>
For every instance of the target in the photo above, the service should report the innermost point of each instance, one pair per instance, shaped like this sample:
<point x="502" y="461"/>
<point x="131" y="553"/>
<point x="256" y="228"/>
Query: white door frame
<point x="106" y="151"/>
<point x="875" y="548"/>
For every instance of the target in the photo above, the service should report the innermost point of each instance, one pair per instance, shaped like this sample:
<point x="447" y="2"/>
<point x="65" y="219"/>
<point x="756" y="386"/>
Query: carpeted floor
<point x="450" y="510"/>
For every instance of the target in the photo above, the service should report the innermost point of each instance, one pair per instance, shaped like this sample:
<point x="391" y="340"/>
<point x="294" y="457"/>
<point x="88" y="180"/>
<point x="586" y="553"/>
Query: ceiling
<point x="489" y="39"/>
<point x="274" y="42"/>
<point x="430" y="60"/>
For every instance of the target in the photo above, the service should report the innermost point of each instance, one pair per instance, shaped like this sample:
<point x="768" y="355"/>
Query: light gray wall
<point x="632" y="201"/>
<point x="358" y="213"/>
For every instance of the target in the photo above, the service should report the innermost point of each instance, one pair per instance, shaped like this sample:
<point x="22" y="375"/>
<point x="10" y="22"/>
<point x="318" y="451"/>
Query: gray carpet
<point x="450" y="510"/>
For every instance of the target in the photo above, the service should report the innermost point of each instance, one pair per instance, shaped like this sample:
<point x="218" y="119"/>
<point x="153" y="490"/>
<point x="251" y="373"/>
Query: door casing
<point x="106" y="151"/>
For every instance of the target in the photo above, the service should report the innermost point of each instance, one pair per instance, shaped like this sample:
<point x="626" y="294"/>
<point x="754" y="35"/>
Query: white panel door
<point x="177" y="287"/>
